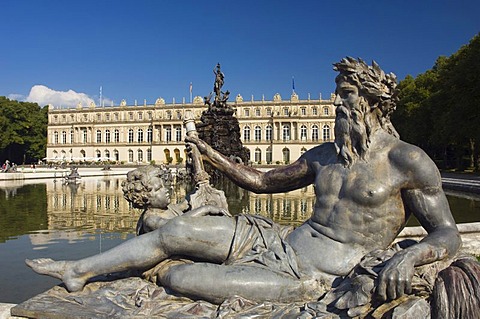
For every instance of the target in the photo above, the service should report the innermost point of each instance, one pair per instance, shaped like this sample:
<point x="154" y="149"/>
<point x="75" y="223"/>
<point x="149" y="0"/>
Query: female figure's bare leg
<point x="207" y="238"/>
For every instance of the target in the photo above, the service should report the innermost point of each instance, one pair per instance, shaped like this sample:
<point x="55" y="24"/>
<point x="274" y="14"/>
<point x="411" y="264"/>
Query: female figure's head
<point x="145" y="187"/>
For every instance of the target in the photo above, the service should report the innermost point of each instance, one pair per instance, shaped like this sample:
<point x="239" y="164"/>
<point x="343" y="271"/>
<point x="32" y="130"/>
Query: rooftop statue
<point x="367" y="184"/>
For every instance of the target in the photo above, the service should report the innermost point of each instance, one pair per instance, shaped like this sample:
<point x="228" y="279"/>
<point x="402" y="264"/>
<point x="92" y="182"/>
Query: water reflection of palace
<point x="98" y="204"/>
<point x="290" y="208"/>
<point x="93" y="204"/>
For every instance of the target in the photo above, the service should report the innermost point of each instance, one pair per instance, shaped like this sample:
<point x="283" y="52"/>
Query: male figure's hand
<point x="395" y="279"/>
<point x="201" y="145"/>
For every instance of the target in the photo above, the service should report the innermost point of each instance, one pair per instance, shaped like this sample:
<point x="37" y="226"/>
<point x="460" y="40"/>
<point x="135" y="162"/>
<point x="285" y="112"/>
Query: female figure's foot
<point x="62" y="270"/>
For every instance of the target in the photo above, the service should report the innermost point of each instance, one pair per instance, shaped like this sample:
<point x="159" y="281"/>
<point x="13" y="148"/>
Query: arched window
<point x="268" y="155"/>
<point x="98" y="154"/>
<point x="258" y="155"/>
<point x="286" y="155"/>
<point x="130" y="156"/>
<point x="326" y="132"/>
<point x="130" y="136"/>
<point x="107" y="154"/>
<point x="72" y="137"/>
<point x="149" y="134"/>
<point x="140" y="156"/>
<point x="107" y="136"/>
<point x="99" y="136"/>
<point x="303" y="133"/>
<point x="116" y="155"/>
<point x="315" y="132"/>
<point x="85" y="135"/>
<point x="286" y="132"/>
<point x="55" y="137"/>
<point x="64" y="137"/>
<point x="116" y="136"/>
<point x="246" y="133"/>
<point x="258" y="133"/>
<point x="140" y="135"/>
<point x="268" y="133"/>
<point x="149" y="155"/>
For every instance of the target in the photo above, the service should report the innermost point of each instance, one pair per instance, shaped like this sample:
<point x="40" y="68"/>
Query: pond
<point x="49" y="219"/>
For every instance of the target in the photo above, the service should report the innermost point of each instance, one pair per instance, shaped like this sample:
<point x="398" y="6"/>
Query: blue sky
<point x="61" y="52"/>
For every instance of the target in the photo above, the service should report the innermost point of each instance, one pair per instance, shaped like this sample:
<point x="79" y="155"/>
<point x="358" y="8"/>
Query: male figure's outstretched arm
<point x="283" y="179"/>
<point x="424" y="197"/>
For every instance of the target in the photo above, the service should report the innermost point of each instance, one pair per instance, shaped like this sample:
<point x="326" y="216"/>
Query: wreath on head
<point x="379" y="87"/>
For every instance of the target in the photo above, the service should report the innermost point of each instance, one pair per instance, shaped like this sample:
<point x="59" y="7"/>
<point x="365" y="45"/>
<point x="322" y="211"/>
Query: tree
<point x="23" y="127"/>
<point x="439" y="110"/>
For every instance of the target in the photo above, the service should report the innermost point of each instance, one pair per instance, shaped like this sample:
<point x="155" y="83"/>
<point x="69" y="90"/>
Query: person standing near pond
<point x="367" y="184"/>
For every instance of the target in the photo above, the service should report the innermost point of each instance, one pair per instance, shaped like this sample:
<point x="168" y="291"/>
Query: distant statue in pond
<point x="367" y="184"/>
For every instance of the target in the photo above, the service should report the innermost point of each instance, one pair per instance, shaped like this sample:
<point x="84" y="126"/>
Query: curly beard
<point x="352" y="132"/>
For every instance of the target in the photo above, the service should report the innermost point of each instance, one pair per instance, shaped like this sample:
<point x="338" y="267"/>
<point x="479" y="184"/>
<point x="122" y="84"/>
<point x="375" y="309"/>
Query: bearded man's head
<point x="377" y="97"/>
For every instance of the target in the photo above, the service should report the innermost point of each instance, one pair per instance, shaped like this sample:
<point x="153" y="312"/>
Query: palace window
<point x="130" y="135"/>
<point x="314" y="133"/>
<point x="303" y="133"/>
<point x="314" y="111"/>
<point x="130" y="156"/>
<point x="116" y="117"/>
<point x="303" y="111"/>
<point x="268" y="133"/>
<point x="72" y="137"/>
<point x="246" y="133"/>
<point x="286" y="112"/>
<point x="246" y="112"/>
<point x="99" y="136"/>
<point x="107" y="136"/>
<point x="107" y="117"/>
<point x="326" y="132"/>
<point x="116" y="136"/>
<point x="286" y="155"/>
<point x="286" y="132"/>
<point x="64" y="137"/>
<point x="168" y="134"/>
<point x="258" y="133"/>
<point x="130" y="116"/>
<point x="116" y="155"/>
<point x="99" y="117"/>
<point x="140" y="135"/>
<point x="268" y="155"/>
<point x="84" y="135"/>
<point x="55" y="137"/>
<point x="178" y="134"/>
<point x="107" y="154"/>
<point x="140" y="155"/>
<point x="269" y="112"/>
<point x="149" y="155"/>
<point x="258" y="155"/>
<point x="140" y="115"/>
<point x="325" y="110"/>
<point x="149" y="134"/>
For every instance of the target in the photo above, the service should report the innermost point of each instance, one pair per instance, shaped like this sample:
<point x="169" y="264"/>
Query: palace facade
<point x="276" y="131"/>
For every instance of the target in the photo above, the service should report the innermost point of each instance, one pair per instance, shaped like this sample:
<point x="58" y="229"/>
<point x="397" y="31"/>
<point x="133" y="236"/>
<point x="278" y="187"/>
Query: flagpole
<point x="191" y="87"/>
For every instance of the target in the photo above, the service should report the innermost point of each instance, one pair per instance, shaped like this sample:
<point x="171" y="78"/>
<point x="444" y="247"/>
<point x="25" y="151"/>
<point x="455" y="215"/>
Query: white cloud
<point x="16" y="97"/>
<point x="44" y="95"/>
